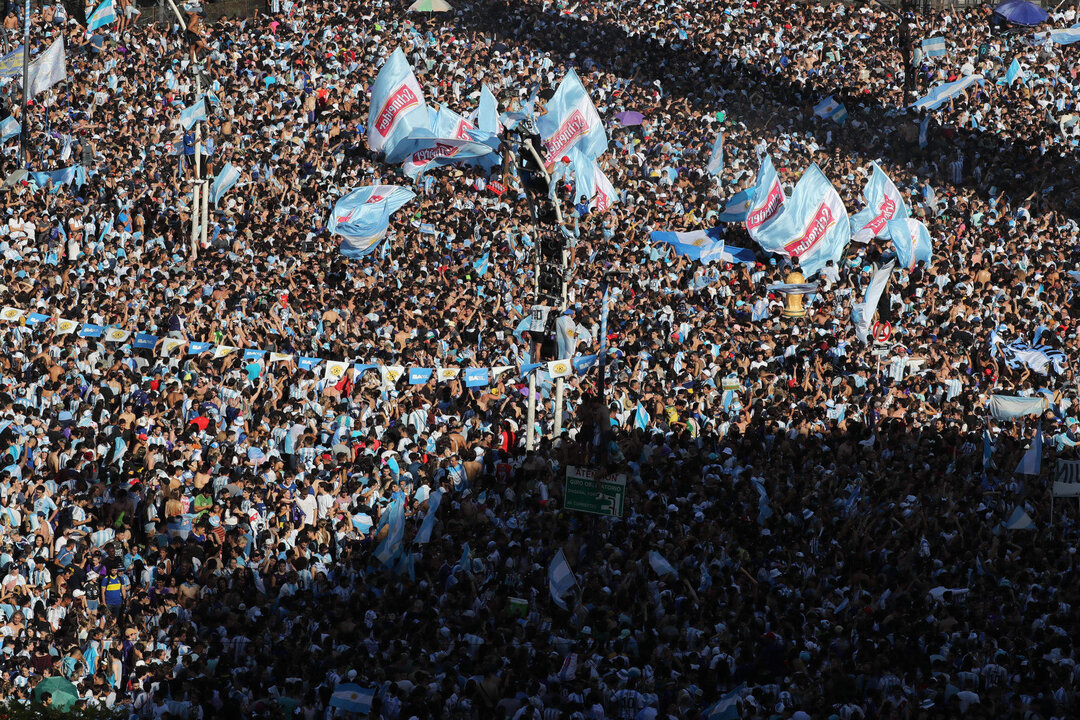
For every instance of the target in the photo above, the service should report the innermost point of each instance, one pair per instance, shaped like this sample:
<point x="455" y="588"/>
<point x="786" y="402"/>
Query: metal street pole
<point x="24" y="126"/>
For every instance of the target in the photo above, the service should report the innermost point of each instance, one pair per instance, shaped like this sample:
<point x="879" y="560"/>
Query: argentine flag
<point x="352" y="698"/>
<point x="641" y="417"/>
<point x="193" y="113"/>
<point x="224" y="182"/>
<point x="934" y="47"/>
<point x="831" y="109"/>
<point x="101" y="17"/>
<point x="716" y="157"/>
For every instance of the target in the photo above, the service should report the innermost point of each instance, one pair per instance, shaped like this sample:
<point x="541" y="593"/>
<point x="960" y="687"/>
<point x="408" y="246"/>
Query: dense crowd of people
<point x="814" y="527"/>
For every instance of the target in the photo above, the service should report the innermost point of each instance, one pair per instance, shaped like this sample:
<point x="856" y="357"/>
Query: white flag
<point x="862" y="314"/>
<point x="335" y="370"/>
<point x="559" y="368"/>
<point x="65" y="327"/>
<point x="445" y="374"/>
<point x="49" y="68"/>
<point x="116" y="335"/>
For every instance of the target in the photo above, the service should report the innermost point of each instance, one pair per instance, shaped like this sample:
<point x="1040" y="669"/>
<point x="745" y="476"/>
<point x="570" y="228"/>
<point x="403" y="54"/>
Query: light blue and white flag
<point x="352" y="698"/>
<point x="362" y="216"/>
<point x="560" y="579"/>
<point x="390" y="547"/>
<point x="941" y="94"/>
<point x="423" y="535"/>
<point x="660" y="564"/>
<point x="831" y="109"/>
<point x="1019" y="520"/>
<point x="814" y="226"/>
<point x="1013" y="72"/>
<point x="590" y="182"/>
<point x="225" y="180"/>
<point x="989" y="447"/>
<point x="9" y="128"/>
<point x="738" y="206"/>
<point x="883" y="204"/>
<point x="59" y="178"/>
<point x="862" y="314"/>
<point x="767" y="200"/>
<point x="1031" y="463"/>
<point x="912" y="242"/>
<point x="398" y="110"/>
<point x="487" y="115"/>
<point x="716" y="157"/>
<point x="1064" y="36"/>
<point x="727" y="707"/>
<point x="605" y="309"/>
<point x="481" y="266"/>
<point x="48" y="68"/>
<point x="193" y="113"/>
<point x="641" y="417"/>
<point x="705" y="246"/>
<point x="571" y="120"/>
<point x="924" y="131"/>
<point x="1009" y="407"/>
<point x="934" y="47"/>
<point x="102" y="16"/>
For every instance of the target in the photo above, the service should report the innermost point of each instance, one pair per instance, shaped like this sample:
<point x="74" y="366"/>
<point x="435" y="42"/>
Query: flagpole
<point x="24" y="128"/>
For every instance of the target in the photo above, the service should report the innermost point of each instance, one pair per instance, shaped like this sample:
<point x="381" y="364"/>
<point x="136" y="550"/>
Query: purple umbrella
<point x="1021" y="12"/>
<point x="630" y="117"/>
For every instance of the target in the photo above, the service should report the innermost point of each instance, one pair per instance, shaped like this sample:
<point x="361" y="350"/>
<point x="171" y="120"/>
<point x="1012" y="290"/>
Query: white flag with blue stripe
<point x="1031" y="463"/>
<point x="560" y="579"/>
<point x="641" y="417"/>
<point x="1013" y="72"/>
<point x="102" y="16"/>
<point x="48" y="68"/>
<point x="424" y="534"/>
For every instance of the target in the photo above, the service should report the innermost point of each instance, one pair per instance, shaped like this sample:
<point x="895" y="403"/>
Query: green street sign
<point x="587" y="490"/>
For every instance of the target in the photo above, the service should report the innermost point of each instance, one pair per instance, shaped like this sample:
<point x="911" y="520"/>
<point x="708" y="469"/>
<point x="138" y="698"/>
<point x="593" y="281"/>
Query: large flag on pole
<point x="813" y="227"/>
<point x="398" y="109"/>
<point x="767" y="199"/>
<point x="362" y="216"/>
<point x="193" y="113"/>
<point x="571" y="120"/>
<point x="883" y="203"/>
<point x="9" y="128"/>
<point x="49" y="68"/>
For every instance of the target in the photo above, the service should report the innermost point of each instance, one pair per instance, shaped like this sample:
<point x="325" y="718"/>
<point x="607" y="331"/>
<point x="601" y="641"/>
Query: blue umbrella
<point x="1021" y="12"/>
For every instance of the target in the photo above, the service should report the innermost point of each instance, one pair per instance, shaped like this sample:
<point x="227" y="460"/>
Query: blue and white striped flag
<point x="225" y="180"/>
<point x="193" y="113"/>
<point x="1013" y="72"/>
<point x="641" y="417"/>
<point x="605" y="307"/>
<point x="934" y="47"/>
<point x="1031" y="463"/>
<point x="726" y="708"/>
<point x="394" y="519"/>
<point x="424" y="534"/>
<point x="988" y="451"/>
<point x="352" y="698"/>
<point x="481" y="265"/>
<point x="560" y="579"/>
<point x="9" y="128"/>
<point x="832" y="109"/>
<point x="102" y="16"/>
<point x="716" y="157"/>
